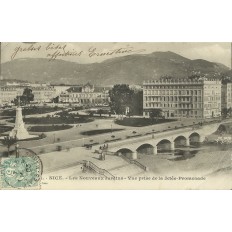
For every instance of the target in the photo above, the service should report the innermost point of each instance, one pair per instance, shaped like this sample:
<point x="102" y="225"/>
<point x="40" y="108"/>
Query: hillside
<point x="130" y="69"/>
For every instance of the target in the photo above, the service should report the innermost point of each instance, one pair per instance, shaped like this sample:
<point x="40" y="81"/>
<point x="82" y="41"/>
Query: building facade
<point x="43" y="94"/>
<point x="85" y="95"/>
<point x="183" y="98"/>
<point x="227" y="96"/>
<point x="9" y="93"/>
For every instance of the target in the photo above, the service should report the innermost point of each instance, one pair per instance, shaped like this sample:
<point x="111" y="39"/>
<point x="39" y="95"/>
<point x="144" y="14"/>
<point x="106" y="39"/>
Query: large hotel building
<point x="227" y="96"/>
<point x="183" y="98"/>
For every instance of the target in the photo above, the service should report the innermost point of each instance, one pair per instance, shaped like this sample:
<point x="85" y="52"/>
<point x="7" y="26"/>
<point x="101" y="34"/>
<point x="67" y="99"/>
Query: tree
<point x="155" y="113"/>
<point x="194" y="76"/>
<point x="8" y="142"/>
<point x="26" y="98"/>
<point x="100" y="112"/>
<point x="121" y="96"/>
<point x="55" y="99"/>
<point x="224" y="112"/>
<point x="229" y="111"/>
<point x="137" y="103"/>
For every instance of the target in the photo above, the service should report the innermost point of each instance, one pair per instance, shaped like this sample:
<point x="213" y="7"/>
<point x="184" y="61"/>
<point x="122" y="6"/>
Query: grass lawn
<point x="49" y="128"/>
<point x="5" y="128"/>
<point x="5" y="117"/>
<point x="57" y="120"/>
<point x="31" y="110"/>
<point x="97" y="132"/>
<point x="139" y="122"/>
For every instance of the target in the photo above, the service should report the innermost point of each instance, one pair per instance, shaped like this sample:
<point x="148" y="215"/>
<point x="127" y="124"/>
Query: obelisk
<point x="19" y="130"/>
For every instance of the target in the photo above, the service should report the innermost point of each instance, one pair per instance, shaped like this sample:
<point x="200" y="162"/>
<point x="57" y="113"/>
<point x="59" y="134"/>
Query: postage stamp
<point x="20" y="173"/>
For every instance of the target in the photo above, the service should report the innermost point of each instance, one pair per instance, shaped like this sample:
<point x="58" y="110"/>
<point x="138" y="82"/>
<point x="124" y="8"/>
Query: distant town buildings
<point x="9" y="93"/>
<point x="60" y="88"/>
<point x="85" y="95"/>
<point x="43" y="94"/>
<point x="177" y="98"/>
<point x="183" y="98"/>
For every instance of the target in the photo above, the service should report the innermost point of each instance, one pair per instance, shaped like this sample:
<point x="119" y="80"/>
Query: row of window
<point x="188" y="99"/>
<point x="173" y="105"/>
<point x="180" y="113"/>
<point x="85" y="100"/>
<point x="172" y="92"/>
<point x="212" y="98"/>
<point x="170" y="87"/>
<point x="212" y="106"/>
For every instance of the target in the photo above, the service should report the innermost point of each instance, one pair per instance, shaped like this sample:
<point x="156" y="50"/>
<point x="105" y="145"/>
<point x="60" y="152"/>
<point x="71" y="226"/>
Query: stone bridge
<point x="168" y="140"/>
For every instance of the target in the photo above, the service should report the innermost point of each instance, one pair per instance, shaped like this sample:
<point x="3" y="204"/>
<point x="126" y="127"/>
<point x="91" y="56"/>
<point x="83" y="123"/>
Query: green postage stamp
<point x="20" y="173"/>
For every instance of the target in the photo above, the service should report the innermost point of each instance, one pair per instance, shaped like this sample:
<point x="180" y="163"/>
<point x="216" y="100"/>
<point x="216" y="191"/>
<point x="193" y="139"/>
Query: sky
<point x="98" y="52"/>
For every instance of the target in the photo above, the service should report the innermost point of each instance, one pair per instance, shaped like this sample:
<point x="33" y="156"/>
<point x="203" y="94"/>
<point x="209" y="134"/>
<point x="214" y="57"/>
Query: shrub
<point x="42" y="136"/>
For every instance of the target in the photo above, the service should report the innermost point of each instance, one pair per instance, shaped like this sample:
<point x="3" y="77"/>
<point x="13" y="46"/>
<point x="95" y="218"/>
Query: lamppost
<point x="17" y="150"/>
<point x="54" y="138"/>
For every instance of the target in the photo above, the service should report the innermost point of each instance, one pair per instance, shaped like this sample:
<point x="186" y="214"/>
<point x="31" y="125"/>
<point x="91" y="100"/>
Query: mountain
<point x="130" y="69"/>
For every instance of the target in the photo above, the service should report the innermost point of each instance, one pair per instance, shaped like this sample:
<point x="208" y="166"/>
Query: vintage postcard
<point x="115" y="115"/>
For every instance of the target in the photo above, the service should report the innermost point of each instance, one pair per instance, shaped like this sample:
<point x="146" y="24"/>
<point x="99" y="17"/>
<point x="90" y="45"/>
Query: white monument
<point x="19" y="130"/>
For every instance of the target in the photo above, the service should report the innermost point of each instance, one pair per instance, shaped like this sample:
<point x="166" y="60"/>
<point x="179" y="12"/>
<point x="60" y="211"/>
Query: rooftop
<point x="180" y="81"/>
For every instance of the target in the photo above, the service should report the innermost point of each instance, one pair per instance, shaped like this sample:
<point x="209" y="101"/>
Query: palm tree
<point x="8" y="142"/>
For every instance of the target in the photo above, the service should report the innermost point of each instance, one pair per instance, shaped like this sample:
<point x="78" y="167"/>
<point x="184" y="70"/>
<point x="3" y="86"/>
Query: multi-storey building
<point x="85" y="95"/>
<point x="61" y="88"/>
<point x="9" y="93"/>
<point x="183" y="97"/>
<point x="43" y="94"/>
<point x="227" y="96"/>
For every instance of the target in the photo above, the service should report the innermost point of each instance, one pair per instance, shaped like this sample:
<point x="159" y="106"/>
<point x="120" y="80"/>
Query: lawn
<point x="5" y="128"/>
<point x="31" y="110"/>
<point x="57" y="120"/>
<point x="139" y="122"/>
<point x="97" y="132"/>
<point x="49" y="128"/>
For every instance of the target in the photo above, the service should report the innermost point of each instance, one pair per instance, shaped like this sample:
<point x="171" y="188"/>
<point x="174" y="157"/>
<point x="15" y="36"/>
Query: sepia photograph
<point x="119" y="112"/>
<point x="119" y="115"/>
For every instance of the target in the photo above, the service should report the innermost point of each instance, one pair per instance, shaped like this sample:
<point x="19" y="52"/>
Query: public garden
<point x="71" y="127"/>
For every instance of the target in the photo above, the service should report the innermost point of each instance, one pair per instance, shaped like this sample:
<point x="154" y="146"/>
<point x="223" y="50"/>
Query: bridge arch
<point x="181" y="141"/>
<point x="195" y="137"/>
<point x="164" y="145"/>
<point x="126" y="152"/>
<point x="145" y="148"/>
